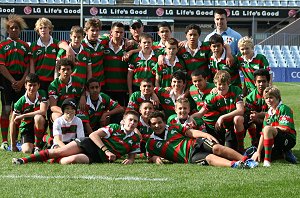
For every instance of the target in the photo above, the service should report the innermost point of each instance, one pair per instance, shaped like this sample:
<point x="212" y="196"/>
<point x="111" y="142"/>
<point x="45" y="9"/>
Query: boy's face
<point x="271" y="101"/>
<point x="220" y="21"/>
<point x="246" y="51"/>
<point x="199" y="82"/>
<point x="32" y="88"/>
<point x="182" y="110"/>
<point x="157" y="125"/>
<point x="13" y="31"/>
<point x="44" y="31"/>
<point x="146" y="88"/>
<point x="93" y="33"/>
<point x="217" y="49"/>
<point x="69" y="112"/>
<point x="76" y="39"/>
<point x="192" y="36"/>
<point x="222" y="88"/>
<point x="136" y="29"/>
<point x="177" y="84"/>
<point x="130" y="122"/>
<point x="261" y="83"/>
<point x="94" y="89"/>
<point x="164" y="33"/>
<point x="65" y="72"/>
<point x="171" y="50"/>
<point x="146" y="43"/>
<point x="117" y="33"/>
<point x="146" y="109"/>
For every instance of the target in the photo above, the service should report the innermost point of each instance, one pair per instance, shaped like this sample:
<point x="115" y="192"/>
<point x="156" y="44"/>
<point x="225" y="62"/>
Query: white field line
<point x="86" y="177"/>
<point x="292" y="84"/>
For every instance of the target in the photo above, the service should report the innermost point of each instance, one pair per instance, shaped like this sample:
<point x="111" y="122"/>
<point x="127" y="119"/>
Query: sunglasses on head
<point x="136" y="26"/>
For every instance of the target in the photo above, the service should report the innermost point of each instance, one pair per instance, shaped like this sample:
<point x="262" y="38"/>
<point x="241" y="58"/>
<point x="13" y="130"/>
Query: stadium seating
<point x="280" y="56"/>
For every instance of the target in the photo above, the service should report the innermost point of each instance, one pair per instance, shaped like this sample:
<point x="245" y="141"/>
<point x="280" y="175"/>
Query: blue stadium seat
<point x="192" y="2"/>
<point x="168" y="2"/>
<point x="185" y="2"/>
<point x="284" y="2"/>
<point x="221" y="3"/>
<point x="207" y="2"/>
<point x="268" y="3"/>
<point x="136" y="2"/>
<point x="176" y="2"/>
<point x="281" y="63"/>
<point x="231" y="3"/>
<point x="112" y="2"/>
<point x="267" y="47"/>
<point x="160" y="2"/>
<point x="95" y="1"/>
<point x="276" y="3"/>
<point x="245" y="3"/>
<point x="292" y="3"/>
<point x="199" y="2"/>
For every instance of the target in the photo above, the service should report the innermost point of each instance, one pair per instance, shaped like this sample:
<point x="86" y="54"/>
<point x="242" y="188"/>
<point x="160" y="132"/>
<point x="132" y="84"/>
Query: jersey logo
<point x="7" y="47"/>
<point x="39" y="52"/>
<point x="284" y="119"/>
<point x="173" y="132"/>
<point x="130" y="142"/>
<point x="23" y="48"/>
<point x="106" y="51"/>
<point x="74" y="90"/>
<point x="158" y="144"/>
<point x="167" y="101"/>
<point x="256" y="67"/>
<point x="138" y="64"/>
<point x="202" y="54"/>
<point x="54" y="51"/>
<point x="84" y="58"/>
<point x="164" y="71"/>
<point x="184" y="56"/>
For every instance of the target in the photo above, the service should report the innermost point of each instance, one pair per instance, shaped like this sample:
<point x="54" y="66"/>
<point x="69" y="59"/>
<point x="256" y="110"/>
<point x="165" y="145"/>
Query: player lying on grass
<point x="184" y="145"/>
<point x="104" y="145"/>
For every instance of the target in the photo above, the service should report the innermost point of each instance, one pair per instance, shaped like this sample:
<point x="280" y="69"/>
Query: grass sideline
<point x="148" y="180"/>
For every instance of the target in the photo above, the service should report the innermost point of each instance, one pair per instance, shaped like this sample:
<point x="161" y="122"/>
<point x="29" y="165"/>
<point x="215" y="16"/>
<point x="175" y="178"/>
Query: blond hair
<point x="13" y="18"/>
<point x="43" y="22"/>
<point x="93" y="22"/>
<point x="272" y="91"/>
<point x="222" y="76"/>
<point x="246" y="42"/>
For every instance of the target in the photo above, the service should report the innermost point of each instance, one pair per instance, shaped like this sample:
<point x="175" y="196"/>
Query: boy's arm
<point x="199" y="114"/>
<point x="127" y="55"/>
<point x="5" y="73"/>
<point x="53" y="105"/>
<point x="58" y="140"/>
<point x="257" y="155"/>
<point x="130" y="159"/>
<point x="42" y="111"/>
<point x="229" y="57"/>
<point x="239" y="111"/>
<point x="19" y="84"/>
<point x="199" y="134"/>
<point x="129" y="81"/>
<point x="13" y="132"/>
<point x="89" y="71"/>
<point x="96" y="138"/>
<point x="69" y="52"/>
<point x="88" y="128"/>
<point x="31" y="66"/>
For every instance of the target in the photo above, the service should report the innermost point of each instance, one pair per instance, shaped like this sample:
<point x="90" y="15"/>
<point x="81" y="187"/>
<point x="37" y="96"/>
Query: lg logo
<point x="295" y="74"/>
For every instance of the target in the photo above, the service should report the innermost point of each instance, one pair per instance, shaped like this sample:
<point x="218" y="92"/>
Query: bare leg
<point x="226" y="152"/>
<point x="65" y="151"/>
<point x="214" y="160"/>
<point x="75" y="159"/>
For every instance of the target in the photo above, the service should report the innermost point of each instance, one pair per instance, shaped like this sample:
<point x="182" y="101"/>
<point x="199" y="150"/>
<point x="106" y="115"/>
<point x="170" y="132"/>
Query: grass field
<point x="148" y="180"/>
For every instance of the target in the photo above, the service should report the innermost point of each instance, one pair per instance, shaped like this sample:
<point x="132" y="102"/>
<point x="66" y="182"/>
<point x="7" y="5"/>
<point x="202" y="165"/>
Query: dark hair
<point x="199" y="72"/>
<point x="193" y="27"/>
<point x="146" y="102"/>
<point x="173" y="41"/>
<point x="77" y="30"/>
<point x="216" y="38"/>
<point x="91" y="80"/>
<point x="131" y="112"/>
<point x="147" y="80"/>
<point x="64" y="62"/>
<point x="157" y="114"/>
<point x="221" y="11"/>
<point x="179" y="75"/>
<point x="32" y="78"/>
<point x="145" y="36"/>
<point x="262" y="72"/>
<point x="117" y="24"/>
<point x="164" y="24"/>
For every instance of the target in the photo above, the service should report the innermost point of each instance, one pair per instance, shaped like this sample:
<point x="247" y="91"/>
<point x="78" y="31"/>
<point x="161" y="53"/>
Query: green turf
<point x="149" y="180"/>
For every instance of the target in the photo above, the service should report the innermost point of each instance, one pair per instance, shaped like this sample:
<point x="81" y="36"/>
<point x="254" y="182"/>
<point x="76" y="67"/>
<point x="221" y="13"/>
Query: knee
<point x="27" y="148"/>
<point x="238" y="120"/>
<point x="39" y="120"/>
<point x="217" y="149"/>
<point x="209" y="159"/>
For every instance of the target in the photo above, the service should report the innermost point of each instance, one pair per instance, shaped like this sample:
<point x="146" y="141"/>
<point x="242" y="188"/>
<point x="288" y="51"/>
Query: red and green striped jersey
<point x="24" y="105"/>
<point x="215" y="65"/>
<point x="167" y="100"/>
<point x="141" y="67"/>
<point x="218" y="105"/>
<point x="173" y="119"/>
<point x="158" y="47"/>
<point x="145" y="130"/>
<point x="255" y="102"/>
<point x="44" y="58"/>
<point x="248" y="67"/>
<point x="165" y="71"/>
<point x="135" y="101"/>
<point x="14" y="55"/>
<point x="198" y="60"/>
<point x="62" y="91"/>
<point x="199" y="96"/>
<point x="94" y="113"/>
<point x="97" y="54"/>
<point x="119" y="142"/>
<point x="115" y="70"/>
<point x="283" y="117"/>
<point x="174" y="146"/>
<point x="82" y="60"/>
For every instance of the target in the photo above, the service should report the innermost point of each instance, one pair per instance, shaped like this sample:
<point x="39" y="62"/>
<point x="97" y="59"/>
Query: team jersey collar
<point x="28" y="101"/>
<point x="89" y="101"/>
<point x="141" y="55"/>
<point x="69" y="122"/>
<point x="223" y="56"/>
<point x="112" y="47"/>
<point x="81" y="48"/>
<point x="144" y="98"/>
<point x="90" y="45"/>
<point x="161" y="45"/>
<point x="155" y="137"/>
<point x="127" y="135"/>
<point x="173" y="95"/>
<point x="41" y="44"/>
<point x="272" y="111"/>
<point x="250" y="60"/>
<point x="167" y="61"/>
<point x="185" y="122"/>
<point x="188" y="49"/>
<point x="143" y="122"/>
